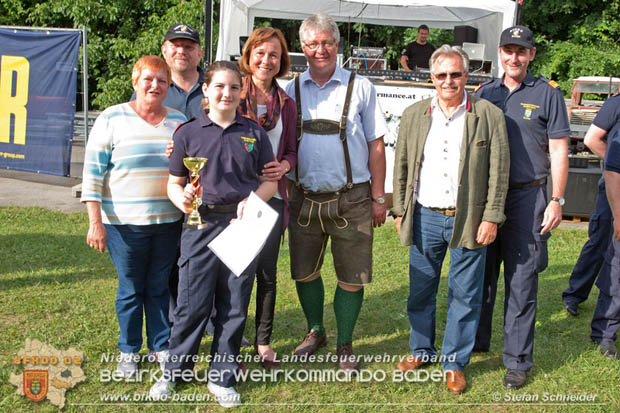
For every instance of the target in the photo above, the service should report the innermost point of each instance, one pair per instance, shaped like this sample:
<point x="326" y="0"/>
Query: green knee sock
<point x="347" y="307"/>
<point x="311" y="296"/>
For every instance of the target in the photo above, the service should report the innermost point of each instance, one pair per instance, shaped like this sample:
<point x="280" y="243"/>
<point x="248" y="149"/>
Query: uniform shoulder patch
<point x="551" y="83"/>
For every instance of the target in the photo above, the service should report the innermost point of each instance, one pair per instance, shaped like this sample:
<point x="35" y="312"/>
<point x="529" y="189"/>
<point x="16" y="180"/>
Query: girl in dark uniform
<point x="237" y="150"/>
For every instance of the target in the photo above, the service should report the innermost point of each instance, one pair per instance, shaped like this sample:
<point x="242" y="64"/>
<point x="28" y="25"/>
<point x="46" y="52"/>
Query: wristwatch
<point x="380" y="200"/>
<point x="561" y="201"/>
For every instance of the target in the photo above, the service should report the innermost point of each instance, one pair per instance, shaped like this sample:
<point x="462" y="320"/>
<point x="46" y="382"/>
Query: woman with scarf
<point x="265" y="58"/>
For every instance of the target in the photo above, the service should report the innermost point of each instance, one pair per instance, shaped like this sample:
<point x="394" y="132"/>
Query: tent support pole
<point x="85" y="81"/>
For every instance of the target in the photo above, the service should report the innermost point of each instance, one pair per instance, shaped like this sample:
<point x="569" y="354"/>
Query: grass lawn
<point x="55" y="289"/>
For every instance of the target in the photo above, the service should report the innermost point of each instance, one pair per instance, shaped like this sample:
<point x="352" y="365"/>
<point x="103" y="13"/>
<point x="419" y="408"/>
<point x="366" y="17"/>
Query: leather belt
<point x="536" y="182"/>
<point x="222" y="209"/>
<point x="449" y="212"/>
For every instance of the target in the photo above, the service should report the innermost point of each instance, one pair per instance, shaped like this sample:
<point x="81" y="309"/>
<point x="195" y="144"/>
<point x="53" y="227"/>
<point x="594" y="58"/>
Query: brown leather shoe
<point x="347" y="360"/>
<point x="242" y="367"/>
<point x="455" y="379"/>
<point x="312" y="342"/>
<point x="410" y="363"/>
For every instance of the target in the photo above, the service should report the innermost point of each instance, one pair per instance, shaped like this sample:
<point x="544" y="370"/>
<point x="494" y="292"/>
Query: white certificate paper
<point x="243" y="240"/>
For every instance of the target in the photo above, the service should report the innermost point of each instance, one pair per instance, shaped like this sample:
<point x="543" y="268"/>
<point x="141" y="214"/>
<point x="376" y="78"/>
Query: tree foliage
<point x="119" y="32"/>
<point x="573" y="37"/>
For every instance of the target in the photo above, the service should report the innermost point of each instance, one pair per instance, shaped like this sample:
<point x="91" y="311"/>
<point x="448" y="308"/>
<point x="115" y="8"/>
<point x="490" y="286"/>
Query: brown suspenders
<point x="326" y="127"/>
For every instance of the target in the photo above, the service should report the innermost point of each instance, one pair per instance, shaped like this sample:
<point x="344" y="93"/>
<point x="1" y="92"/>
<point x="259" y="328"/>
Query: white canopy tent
<point x="490" y="17"/>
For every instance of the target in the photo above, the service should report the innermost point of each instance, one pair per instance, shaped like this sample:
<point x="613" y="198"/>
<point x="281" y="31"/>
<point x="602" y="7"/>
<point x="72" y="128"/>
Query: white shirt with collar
<point x="320" y="157"/>
<point x="439" y="172"/>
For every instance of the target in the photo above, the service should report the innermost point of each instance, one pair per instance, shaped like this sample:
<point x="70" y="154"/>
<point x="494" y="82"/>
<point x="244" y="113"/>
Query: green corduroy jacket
<point x="483" y="169"/>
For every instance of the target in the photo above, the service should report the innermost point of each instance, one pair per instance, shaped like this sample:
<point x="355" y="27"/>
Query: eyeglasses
<point x="315" y="45"/>
<point x="444" y="76"/>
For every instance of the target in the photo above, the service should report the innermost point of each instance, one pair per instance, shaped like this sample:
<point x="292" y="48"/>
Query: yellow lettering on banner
<point x="15" y="105"/>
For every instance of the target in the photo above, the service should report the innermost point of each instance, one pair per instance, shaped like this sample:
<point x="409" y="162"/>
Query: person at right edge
<point x="606" y="319"/>
<point x="592" y="254"/>
<point x="537" y="124"/>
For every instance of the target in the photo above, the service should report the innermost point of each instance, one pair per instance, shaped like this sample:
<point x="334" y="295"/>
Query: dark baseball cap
<point x="519" y="35"/>
<point x="182" y="31"/>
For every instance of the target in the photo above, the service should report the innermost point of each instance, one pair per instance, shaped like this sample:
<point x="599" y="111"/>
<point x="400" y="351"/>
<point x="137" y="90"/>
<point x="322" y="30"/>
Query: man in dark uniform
<point x="606" y="319"/>
<point x="182" y="52"/>
<point x="537" y="121"/>
<point x="599" y="229"/>
<point x="418" y="53"/>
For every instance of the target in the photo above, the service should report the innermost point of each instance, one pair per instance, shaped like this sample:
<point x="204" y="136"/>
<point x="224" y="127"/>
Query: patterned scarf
<point x="275" y="103"/>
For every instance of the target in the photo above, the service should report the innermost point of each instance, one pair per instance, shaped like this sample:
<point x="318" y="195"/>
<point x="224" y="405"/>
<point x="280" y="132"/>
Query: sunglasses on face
<point x="444" y="76"/>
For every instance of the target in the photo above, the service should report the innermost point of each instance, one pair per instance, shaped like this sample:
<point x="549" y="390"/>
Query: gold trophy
<point x="195" y="165"/>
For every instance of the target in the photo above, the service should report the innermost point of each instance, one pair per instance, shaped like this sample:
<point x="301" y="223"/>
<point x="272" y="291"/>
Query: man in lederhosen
<point x="339" y="190"/>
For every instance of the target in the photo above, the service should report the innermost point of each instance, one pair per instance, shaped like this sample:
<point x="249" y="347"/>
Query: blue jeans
<point x="143" y="256"/>
<point x="432" y="234"/>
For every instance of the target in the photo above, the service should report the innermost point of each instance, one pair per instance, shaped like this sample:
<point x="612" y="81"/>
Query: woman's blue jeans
<point x="143" y="256"/>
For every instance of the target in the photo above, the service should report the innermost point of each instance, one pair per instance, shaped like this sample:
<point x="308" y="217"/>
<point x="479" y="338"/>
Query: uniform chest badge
<point x="248" y="143"/>
<point x="528" y="109"/>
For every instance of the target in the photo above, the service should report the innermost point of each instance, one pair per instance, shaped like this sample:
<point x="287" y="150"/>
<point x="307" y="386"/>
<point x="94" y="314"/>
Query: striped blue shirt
<point x="126" y="169"/>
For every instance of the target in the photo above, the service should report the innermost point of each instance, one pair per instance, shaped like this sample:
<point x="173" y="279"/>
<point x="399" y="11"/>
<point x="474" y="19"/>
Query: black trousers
<point x="592" y="254"/>
<point x="206" y="283"/>
<point x="524" y="253"/>
<point x="606" y="319"/>
<point x="266" y="274"/>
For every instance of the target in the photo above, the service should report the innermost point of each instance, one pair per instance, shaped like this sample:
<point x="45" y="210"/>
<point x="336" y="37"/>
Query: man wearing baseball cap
<point x="182" y="52"/>
<point x="538" y="128"/>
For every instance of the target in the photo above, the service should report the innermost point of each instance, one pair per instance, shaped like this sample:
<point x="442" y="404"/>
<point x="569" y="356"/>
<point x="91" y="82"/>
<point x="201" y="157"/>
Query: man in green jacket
<point x="450" y="183"/>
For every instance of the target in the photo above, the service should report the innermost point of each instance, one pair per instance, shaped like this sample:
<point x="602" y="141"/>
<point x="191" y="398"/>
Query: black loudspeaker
<point x="242" y="40"/>
<point x="581" y="191"/>
<point x="466" y="34"/>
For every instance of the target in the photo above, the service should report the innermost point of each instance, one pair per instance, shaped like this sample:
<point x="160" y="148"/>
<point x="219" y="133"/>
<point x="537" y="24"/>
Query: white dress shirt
<point x="439" y="172"/>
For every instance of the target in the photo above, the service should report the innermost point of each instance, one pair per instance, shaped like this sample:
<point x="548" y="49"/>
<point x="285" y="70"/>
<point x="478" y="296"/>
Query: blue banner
<point x="38" y="81"/>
